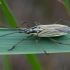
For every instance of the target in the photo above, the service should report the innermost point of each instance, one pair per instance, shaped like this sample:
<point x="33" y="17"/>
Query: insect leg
<point x="17" y="26"/>
<point x="41" y="47"/>
<point x="19" y="42"/>
<point x="61" y="20"/>
<point x="23" y="24"/>
<point x="36" y="23"/>
<point x="57" y="41"/>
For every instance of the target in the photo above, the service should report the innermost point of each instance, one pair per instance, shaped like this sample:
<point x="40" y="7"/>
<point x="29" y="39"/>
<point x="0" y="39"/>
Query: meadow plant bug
<point x="50" y="30"/>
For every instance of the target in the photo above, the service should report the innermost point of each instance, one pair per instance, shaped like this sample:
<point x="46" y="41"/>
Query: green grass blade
<point x="7" y="63"/>
<point x="63" y="66"/>
<point x="29" y="46"/>
<point x="67" y="5"/>
<point x="34" y="62"/>
<point x="8" y="14"/>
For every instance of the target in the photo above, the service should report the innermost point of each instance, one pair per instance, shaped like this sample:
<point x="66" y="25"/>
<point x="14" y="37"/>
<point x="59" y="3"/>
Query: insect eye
<point x="27" y="31"/>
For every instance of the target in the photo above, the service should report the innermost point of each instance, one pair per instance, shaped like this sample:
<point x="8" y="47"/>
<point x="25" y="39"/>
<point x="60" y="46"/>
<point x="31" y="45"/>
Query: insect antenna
<point x="14" y="32"/>
<point x="57" y="41"/>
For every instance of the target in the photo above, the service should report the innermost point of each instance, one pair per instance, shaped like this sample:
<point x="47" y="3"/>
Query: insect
<point x="50" y="30"/>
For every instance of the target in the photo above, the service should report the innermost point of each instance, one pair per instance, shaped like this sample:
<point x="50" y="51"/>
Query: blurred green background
<point x="44" y="12"/>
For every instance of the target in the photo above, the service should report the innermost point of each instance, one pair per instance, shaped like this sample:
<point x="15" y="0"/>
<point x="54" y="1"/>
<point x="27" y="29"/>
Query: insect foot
<point x="11" y="48"/>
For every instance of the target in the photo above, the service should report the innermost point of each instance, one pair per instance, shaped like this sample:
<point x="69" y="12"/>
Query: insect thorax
<point x="33" y="30"/>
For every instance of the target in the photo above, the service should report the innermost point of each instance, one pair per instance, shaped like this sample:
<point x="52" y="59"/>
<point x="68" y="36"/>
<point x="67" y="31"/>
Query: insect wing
<point x="53" y="30"/>
<point x="51" y="33"/>
<point x="52" y="26"/>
